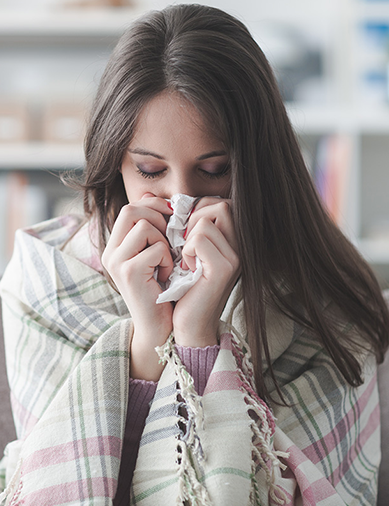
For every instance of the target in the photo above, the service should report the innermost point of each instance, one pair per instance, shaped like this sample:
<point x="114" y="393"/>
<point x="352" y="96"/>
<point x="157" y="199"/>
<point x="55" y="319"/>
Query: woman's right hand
<point x="136" y="247"/>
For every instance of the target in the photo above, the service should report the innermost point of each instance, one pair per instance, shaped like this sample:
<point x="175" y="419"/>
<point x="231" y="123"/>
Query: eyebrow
<point x="145" y="152"/>
<point x="212" y="154"/>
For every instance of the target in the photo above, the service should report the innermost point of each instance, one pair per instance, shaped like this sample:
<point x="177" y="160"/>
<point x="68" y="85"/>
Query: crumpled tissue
<point x="180" y="280"/>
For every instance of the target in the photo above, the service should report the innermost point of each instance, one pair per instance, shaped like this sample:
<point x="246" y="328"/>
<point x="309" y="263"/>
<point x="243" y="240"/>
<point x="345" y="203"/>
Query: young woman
<point x="259" y="384"/>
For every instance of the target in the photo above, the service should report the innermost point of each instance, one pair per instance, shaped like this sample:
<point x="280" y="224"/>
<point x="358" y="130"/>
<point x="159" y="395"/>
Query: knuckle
<point x="160" y="247"/>
<point x="223" y="207"/>
<point x="109" y="265"/>
<point x="235" y="264"/>
<point x="201" y="202"/>
<point x="197" y="240"/>
<point x="228" y="268"/>
<point x="126" y="209"/>
<point x="202" y="223"/>
<point x="143" y="225"/>
<point x="104" y="259"/>
<point x="160" y="250"/>
<point x="129" y="212"/>
<point x="223" y="204"/>
<point x="129" y="269"/>
<point x="235" y="260"/>
<point x="125" y="215"/>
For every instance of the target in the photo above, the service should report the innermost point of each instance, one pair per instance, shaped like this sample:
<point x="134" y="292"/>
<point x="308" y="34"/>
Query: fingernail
<point x="185" y="232"/>
<point x="169" y="206"/>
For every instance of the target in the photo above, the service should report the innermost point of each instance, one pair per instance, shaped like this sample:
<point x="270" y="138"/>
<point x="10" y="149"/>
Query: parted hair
<point x="287" y="241"/>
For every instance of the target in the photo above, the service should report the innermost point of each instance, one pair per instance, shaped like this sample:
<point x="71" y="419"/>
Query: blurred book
<point x="63" y="123"/>
<point x="373" y="58"/>
<point x="14" y="122"/>
<point x="332" y="174"/>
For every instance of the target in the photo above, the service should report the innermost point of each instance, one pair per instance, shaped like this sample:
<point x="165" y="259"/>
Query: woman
<point x="263" y="390"/>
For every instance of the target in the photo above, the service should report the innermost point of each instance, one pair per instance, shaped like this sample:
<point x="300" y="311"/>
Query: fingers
<point x="208" y="242"/>
<point x="142" y="237"/>
<point x="196" y="315"/>
<point x="217" y="211"/>
<point x="140" y="226"/>
<point x="152" y="209"/>
<point x="143" y="265"/>
<point x="215" y="265"/>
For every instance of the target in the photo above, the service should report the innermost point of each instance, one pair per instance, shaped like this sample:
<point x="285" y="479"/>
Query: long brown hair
<point x="210" y="58"/>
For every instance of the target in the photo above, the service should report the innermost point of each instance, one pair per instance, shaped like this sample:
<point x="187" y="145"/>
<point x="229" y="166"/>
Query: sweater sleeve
<point x="140" y="395"/>
<point x="199" y="363"/>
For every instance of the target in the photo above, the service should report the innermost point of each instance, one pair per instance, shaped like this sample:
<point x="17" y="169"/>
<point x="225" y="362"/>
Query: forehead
<point x="169" y="119"/>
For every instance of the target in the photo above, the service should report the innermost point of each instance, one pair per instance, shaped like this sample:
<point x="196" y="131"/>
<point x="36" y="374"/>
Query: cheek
<point x="135" y="187"/>
<point x="223" y="188"/>
<point x="131" y="186"/>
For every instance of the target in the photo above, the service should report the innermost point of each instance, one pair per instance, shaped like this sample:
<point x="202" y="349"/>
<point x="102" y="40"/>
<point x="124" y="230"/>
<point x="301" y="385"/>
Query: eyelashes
<point x="216" y="175"/>
<point x="208" y="175"/>
<point x="149" y="175"/>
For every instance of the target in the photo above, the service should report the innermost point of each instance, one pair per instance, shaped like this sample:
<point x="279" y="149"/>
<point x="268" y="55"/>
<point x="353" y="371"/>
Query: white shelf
<point x="373" y="10"/>
<point x="375" y="251"/>
<point x="39" y="155"/>
<point x="306" y="121"/>
<point x="66" y="22"/>
<point x="318" y="120"/>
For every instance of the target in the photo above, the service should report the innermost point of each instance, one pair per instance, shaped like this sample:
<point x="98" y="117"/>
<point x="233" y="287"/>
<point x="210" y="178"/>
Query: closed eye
<point x="149" y="175"/>
<point x="216" y="175"/>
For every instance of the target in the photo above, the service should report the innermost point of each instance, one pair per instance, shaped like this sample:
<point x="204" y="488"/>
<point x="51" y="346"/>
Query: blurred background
<point x="331" y="60"/>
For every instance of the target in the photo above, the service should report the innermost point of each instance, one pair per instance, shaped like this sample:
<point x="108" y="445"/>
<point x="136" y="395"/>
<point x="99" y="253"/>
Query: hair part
<point x="285" y="236"/>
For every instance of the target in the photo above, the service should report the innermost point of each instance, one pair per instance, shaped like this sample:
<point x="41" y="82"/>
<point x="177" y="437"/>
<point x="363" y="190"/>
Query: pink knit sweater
<point x="199" y="363"/>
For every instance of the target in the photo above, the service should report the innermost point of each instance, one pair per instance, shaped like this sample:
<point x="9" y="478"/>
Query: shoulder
<point x="50" y="259"/>
<point x="73" y="235"/>
<point x="42" y="251"/>
<point x="54" y="232"/>
<point x="83" y="244"/>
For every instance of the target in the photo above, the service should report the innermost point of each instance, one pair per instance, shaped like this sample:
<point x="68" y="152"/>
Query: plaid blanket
<point x="68" y="336"/>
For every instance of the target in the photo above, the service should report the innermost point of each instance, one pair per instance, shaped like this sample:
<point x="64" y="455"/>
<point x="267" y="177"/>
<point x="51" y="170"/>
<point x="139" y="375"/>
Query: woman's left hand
<point x="211" y="237"/>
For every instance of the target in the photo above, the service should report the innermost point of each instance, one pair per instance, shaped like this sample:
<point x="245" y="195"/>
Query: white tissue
<point x="180" y="280"/>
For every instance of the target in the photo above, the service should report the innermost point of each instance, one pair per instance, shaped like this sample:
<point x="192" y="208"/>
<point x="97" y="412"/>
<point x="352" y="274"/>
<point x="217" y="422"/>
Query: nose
<point x="181" y="184"/>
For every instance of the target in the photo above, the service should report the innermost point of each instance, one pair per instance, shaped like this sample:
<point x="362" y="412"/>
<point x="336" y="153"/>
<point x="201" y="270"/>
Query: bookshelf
<point x="59" y="22"/>
<point x="40" y="155"/>
<point x="80" y="41"/>
<point x="50" y="62"/>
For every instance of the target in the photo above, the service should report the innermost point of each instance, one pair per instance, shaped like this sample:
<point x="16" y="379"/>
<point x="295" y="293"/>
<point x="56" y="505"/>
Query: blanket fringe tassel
<point x="190" y="488"/>
<point x="263" y="454"/>
<point x="9" y="490"/>
<point x="262" y="442"/>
